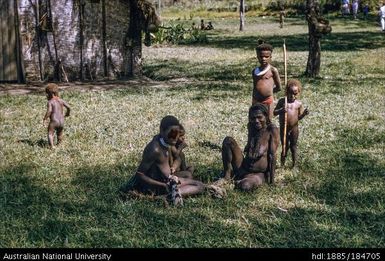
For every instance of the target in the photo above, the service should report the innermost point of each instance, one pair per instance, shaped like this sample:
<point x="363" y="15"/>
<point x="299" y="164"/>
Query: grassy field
<point x="67" y="197"/>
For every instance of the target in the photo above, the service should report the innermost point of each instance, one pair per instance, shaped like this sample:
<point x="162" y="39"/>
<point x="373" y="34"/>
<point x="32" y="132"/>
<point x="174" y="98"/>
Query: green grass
<point x="67" y="197"/>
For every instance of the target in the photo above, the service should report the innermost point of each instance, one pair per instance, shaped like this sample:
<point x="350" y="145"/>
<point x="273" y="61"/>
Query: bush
<point x="175" y="33"/>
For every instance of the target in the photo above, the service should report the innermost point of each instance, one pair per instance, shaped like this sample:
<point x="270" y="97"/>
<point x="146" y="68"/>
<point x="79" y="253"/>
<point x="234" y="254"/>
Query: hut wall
<point x="66" y="31"/>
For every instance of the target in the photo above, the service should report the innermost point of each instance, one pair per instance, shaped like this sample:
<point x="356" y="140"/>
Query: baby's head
<point x="52" y="90"/>
<point x="182" y="134"/>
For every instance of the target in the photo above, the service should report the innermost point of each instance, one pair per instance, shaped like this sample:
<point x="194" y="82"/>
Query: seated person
<point x="154" y="174"/>
<point x="257" y="165"/>
<point x="209" y="26"/>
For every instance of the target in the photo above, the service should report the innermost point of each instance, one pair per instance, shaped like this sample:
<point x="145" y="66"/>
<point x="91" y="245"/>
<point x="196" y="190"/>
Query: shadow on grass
<point x="309" y="227"/>
<point x="77" y="213"/>
<point x="354" y="189"/>
<point x="177" y="69"/>
<point x="40" y="143"/>
<point x="350" y="41"/>
<point x="31" y="213"/>
<point x="357" y="179"/>
<point x="210" y="145"/>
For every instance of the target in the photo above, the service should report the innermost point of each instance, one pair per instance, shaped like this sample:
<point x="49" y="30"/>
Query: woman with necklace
<point x="257" y="165"/>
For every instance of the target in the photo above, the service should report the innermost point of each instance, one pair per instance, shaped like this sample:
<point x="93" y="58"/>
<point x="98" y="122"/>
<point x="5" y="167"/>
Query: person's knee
<point x="184" y="174"/>
<point x="228" y="142"/>
<point x="200" y="186"/>
<point x="244" y="186"/>
<point x="190" y="169"/>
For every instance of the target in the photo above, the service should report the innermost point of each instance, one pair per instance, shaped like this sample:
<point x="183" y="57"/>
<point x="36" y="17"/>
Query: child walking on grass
<point x="55" y="114"/>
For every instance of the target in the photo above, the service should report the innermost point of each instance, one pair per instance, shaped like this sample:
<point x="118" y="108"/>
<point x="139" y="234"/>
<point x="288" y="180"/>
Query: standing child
<point x="202" y="24"/>
<point x="382" y="16"/>
<point x="265" y="78"/>
<point x="365" y="10"/>
<point x="345" y="7"/>
<point x="295" y="113"/>
<point x="209" y="26"/>
<point x="281" y="17"/>
<point x="355" y="8"/>
<point x="55" y="113"/>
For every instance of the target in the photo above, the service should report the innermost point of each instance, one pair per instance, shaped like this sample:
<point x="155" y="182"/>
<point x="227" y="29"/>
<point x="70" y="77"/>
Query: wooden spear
<point x="285" y="123"/>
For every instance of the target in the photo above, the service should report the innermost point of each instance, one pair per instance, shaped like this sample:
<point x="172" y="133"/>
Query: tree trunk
<point x="38" y="38"/>
<point x="241" y="15"/>
<point x="133" y="44"/>
<point x="314" y="58"/>
<point x="81" y="38"/>
<point x="318" y="26"/>
<point x="104" y="39"/>
<point x="19" y="48"/>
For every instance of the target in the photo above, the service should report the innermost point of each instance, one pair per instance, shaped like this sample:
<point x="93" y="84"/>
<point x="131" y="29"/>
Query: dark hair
<point x="168" y="121"/>
<point x="293" y="82"/>
<point x="262" y="108"/>
<point x="182" y="131"/>
<point x="52" y="89"/>
<point x="263" y="46"/>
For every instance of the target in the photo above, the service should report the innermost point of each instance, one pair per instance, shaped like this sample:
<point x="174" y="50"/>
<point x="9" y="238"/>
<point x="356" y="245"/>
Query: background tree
<point x="318" y="26"/>
<point x="241" y="14"/>
<point x="142" y="19"/>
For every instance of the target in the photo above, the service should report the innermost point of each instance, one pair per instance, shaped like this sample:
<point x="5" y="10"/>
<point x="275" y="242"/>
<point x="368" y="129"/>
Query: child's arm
<point x="277" y="80"/>
<point x="254" y="83"/>
<point x="68" y="108"/>
<point x="280" y="108"/>
<point x="176" y="151"/>
<point x="176" y="164"/>
<point x="302" y="112"/>
<point x="247" y="147"/>
<point x="48" y="113"/>
<point x="182" y="146"/>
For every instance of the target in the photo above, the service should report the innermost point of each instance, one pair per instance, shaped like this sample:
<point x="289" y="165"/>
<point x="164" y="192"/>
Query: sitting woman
<point x="258" y="164"/>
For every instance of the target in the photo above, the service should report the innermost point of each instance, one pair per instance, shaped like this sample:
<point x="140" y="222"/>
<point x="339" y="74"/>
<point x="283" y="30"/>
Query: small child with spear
<point x="290" y="111"/>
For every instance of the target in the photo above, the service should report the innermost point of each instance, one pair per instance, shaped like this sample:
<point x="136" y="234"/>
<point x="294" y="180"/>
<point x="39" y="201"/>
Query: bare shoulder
<point x="152" y="149"/>
<point x="274" y="69"/>
<point x="275" y="135"/>
<point x="272" y="128"/>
